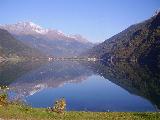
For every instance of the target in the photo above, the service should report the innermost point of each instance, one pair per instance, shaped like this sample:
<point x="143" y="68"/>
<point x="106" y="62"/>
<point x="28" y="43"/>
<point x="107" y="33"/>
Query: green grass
<point x="24" y="112"/>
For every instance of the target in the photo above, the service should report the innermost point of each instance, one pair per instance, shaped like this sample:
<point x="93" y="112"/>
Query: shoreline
<point x="28" y="113"/>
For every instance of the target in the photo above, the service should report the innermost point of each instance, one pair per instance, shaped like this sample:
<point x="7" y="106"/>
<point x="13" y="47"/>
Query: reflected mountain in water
<point x="11" y="71"/>
<point x="142" y="80"/>
<point x="50" y="75"/>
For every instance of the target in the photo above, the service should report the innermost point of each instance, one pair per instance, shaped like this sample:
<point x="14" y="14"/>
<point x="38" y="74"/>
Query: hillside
<point x="139" y="42"/>
<point x="11" y="48"/>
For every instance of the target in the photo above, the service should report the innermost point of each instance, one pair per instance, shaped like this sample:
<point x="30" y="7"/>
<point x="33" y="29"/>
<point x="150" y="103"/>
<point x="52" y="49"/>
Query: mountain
<point x="52" y="42"/>
<point x="12" y="48"/>
<point x="139" y="42"/>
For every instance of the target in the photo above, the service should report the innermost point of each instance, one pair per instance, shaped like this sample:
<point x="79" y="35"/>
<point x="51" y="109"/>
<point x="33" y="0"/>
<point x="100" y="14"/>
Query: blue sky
<point x="96" y="20"/>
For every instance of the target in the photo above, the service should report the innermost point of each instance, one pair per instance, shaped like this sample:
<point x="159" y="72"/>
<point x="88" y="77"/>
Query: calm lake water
<point x="86" y="86"/>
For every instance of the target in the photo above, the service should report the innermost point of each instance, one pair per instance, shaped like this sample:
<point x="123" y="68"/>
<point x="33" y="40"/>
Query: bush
<point x="3" y="100"/>
<point x="59" y="106"/>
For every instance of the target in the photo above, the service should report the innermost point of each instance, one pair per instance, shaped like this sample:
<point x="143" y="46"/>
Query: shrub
<point x="59" y="106"/>
<point x="3" y="100"/>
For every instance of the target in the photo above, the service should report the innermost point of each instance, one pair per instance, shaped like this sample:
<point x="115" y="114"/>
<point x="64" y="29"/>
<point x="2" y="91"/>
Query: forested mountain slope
<point x="139" y="42"/>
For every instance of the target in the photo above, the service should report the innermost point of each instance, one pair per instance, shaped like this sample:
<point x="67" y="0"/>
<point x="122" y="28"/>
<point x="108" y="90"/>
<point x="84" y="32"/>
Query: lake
<point x="86" y="86"/>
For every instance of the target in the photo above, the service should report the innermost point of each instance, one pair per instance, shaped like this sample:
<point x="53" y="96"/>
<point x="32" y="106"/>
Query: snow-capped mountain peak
<point x="79" y="37"/>
<point x="50" y="41"/>
<point x="24" y="28"/>
<point x="31" y="24"/>
<point x="30" y="28"/>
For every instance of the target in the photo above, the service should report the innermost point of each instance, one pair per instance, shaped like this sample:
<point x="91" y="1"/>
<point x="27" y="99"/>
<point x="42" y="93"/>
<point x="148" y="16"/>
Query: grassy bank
<point x="24" y="112"/>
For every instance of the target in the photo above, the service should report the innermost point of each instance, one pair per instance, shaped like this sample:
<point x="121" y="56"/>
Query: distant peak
<point x="157" y="12"/>
<point x="30" y="28"/>
<point x="25" y="27"/>
<point x="79" y="38"/>
<point x="31" y="24"/>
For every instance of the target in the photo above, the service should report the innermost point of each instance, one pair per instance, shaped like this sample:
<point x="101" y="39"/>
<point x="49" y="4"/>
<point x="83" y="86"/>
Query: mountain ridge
<point x="136" y="43"/>
<point x="30" y="28"/>
<point x="12" y="48"/>
<point x="50" y="41"/>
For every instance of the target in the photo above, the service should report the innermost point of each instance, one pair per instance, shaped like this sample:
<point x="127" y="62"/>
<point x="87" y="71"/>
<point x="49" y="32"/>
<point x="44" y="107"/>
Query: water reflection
<point x="99" y="86"/>
<point x="10" y="71"/>
<point x="50" y="75"/>
<point x="142" y="80"/>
